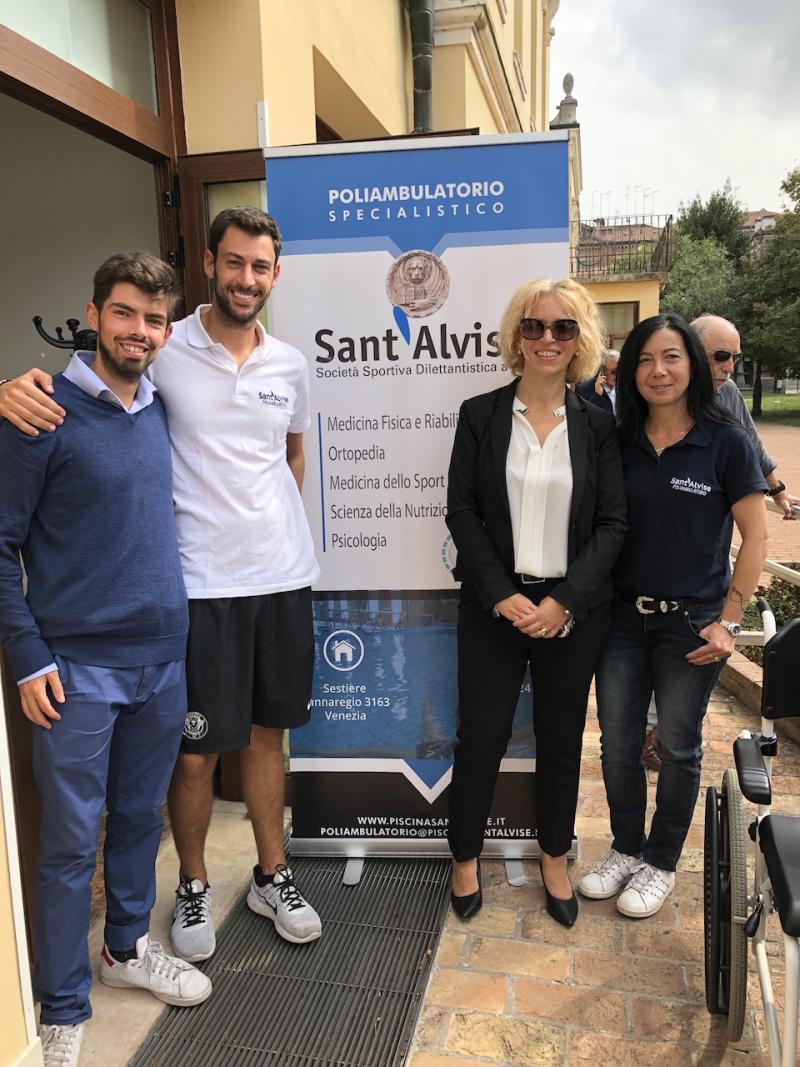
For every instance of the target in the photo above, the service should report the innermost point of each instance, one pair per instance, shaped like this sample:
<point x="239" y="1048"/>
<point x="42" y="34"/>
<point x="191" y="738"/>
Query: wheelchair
<point x="731" y="915"/>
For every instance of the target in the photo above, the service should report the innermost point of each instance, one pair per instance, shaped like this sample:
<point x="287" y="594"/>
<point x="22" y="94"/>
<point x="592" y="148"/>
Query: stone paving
<point x="511" y="986"/>
<point x="783" y="444"/>
<point x="514" y="987"/>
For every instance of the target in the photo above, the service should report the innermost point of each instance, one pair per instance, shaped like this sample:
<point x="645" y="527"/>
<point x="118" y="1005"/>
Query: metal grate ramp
<point x="349" y="999"/>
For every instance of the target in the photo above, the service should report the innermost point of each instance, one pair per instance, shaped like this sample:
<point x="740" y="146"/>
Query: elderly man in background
<point x="720" y="338"/>
<point x="602" y="389"/>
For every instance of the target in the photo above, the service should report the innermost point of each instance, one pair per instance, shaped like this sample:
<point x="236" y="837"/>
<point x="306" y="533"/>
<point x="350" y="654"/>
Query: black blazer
<point x="586" y="390"/>
<point x="478" y="514"/>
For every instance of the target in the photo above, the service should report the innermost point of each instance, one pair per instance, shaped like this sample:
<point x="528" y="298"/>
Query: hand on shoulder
<point x="25" y="402"/>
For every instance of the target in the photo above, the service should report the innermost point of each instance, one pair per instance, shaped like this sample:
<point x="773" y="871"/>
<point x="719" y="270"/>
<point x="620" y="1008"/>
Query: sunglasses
<point x="722" y="356"/>
<point x="560" y="330"/>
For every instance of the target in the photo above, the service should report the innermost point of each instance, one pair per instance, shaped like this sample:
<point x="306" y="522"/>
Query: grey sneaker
<point x="281" y="901"/>
<point x="166" y="977"/>
<point x="61" y="1045"/>
<point x="607" y="878"/>
<point x="192" y="931"/>
<point x="646" y="891"/>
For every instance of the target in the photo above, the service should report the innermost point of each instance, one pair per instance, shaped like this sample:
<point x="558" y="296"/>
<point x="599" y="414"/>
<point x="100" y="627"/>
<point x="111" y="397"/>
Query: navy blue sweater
<point x="90" y="508"/>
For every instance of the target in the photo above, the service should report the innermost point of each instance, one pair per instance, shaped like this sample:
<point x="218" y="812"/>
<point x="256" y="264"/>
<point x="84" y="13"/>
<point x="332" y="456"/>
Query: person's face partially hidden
<point x="610" y="374"/>
<point x="721" y="336"/>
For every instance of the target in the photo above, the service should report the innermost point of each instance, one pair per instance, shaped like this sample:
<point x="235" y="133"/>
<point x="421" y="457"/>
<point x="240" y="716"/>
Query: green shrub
<point x="783" y="598"/>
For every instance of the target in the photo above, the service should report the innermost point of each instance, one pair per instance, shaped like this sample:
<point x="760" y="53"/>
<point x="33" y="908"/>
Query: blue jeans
<point x="115" y="744"/>
<point x="644" y="654"/>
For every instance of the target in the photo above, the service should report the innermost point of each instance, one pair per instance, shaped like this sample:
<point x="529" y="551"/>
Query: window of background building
<point x="620" y="320"/>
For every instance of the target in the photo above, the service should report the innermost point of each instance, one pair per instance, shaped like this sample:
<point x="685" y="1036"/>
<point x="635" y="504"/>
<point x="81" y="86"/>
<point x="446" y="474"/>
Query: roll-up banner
<point x="398" y="260"/>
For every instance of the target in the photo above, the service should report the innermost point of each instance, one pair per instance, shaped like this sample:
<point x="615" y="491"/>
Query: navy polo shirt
<point x="679" y="517"/>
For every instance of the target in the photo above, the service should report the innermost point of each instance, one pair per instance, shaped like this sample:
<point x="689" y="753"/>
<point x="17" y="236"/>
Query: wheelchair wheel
<point x="733" y="900"/>
<point x="711" y="913"/>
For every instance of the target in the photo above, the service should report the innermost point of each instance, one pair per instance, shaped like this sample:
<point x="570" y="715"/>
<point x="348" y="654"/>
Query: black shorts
<point x="250" y="660"/>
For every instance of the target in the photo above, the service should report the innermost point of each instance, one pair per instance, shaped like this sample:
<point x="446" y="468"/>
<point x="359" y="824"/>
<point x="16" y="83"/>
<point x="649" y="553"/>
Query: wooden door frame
<point x="194" y="174"/>
<point x="34" y="76"/>
<point x="38" y="77"/>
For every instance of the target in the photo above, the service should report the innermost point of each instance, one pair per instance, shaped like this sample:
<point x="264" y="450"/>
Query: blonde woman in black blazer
<point x="536" y="507"/>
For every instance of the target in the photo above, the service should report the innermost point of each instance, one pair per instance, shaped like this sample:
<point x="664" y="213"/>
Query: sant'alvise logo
<point x="418" y="282"/>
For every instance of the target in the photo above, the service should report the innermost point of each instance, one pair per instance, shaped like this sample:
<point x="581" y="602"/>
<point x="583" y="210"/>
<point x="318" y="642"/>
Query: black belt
<point x="531" y="579"/>
<point x="653" y="605"/>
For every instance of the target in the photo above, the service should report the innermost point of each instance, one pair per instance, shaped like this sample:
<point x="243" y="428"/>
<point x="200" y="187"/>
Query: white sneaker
<point x="192" y="930"/>
<point x="61" y="1045"/>
<point x="610" y="874"/>
<point x="170" y="979"/>
<point x="281" y="901"/>
<point x="646" y="892"/>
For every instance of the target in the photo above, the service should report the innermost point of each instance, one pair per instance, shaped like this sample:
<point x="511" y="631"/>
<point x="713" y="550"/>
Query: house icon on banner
<point x="343" y="652"/>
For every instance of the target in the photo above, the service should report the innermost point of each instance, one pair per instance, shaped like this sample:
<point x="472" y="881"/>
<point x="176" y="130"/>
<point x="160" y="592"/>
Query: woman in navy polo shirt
<point x="690" y="472"/>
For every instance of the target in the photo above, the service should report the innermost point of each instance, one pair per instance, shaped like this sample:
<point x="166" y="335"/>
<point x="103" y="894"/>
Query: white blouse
<point x="539" y="483"/>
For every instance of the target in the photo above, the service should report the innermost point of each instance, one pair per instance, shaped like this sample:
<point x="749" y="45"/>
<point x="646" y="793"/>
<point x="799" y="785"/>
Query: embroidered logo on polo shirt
<point x="196" y="726"/>
<point x="273" y="399"/>
<point x="689" y="485"/>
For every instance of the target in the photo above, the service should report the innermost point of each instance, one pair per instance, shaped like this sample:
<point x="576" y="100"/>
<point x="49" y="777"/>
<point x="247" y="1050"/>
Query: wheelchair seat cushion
<point x="779" y="838"/>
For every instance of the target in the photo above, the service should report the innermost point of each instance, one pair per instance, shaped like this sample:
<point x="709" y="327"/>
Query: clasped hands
<point x="534" y="620"/>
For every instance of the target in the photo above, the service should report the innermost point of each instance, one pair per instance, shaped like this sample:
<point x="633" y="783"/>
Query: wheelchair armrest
<point x="753" y="778"/>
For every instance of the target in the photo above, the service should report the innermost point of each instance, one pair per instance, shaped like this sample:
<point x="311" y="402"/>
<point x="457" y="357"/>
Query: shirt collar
<point x="197" y="335"/>
<point x="80" y="373"/>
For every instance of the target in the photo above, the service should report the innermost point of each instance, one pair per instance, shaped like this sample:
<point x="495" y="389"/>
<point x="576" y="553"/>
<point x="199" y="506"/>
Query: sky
<point x="674" y="97"/>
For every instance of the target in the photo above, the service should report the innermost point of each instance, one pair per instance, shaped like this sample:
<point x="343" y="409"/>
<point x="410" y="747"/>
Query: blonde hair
<point x="579" y="304"/>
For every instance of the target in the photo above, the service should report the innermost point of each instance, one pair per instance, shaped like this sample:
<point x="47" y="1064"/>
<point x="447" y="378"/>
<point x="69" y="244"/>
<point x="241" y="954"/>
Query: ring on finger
<point x="544" y="631"/>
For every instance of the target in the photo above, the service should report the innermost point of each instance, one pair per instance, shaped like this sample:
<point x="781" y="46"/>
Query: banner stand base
<point x="352" y="849"/>
<point x="353" y="870"/>
<point x="515" y="873"/>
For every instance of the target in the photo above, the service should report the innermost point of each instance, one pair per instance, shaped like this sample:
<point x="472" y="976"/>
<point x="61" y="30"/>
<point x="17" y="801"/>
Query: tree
<point x="701" y="281"/>
<point x="720" y="217"/>
<point x="791" y="186"/>
<point x="769" y="295"/>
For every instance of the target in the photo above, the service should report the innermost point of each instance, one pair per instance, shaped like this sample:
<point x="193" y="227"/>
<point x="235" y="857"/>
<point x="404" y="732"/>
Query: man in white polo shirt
<point x="237" y="405"/>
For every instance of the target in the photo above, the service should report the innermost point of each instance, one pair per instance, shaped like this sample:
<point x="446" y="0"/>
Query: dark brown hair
<point x="142" y="269"/>
<point x="250" y="219"/>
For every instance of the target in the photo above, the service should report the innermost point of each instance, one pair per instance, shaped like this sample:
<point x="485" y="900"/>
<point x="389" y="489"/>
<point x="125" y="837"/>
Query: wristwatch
<point x="733" y="628"/>
<point x="776" y="490"/>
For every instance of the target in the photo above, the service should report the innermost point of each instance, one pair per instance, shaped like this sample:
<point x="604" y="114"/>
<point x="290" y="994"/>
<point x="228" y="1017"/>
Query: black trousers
<point x="492" y="657"/>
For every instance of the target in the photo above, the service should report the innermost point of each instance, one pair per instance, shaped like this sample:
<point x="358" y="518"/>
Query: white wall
<point x="67" y="201"/>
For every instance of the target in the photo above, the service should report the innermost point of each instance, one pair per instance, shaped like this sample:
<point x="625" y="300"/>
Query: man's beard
<point x="122" y="368"/>
<point x="236" y="318"/>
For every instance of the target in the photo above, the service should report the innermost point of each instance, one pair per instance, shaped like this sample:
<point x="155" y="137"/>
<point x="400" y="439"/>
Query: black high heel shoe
<point x="469" y="905"/>
<point x="563" y="911"/>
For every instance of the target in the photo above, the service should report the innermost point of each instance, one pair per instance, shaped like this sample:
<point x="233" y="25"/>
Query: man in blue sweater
<point x="237" y="401"/>
<point x="97" y="648"/>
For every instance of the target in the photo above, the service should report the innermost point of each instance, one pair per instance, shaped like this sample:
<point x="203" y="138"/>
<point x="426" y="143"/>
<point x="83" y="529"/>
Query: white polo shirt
<point x="242" y="529"/>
